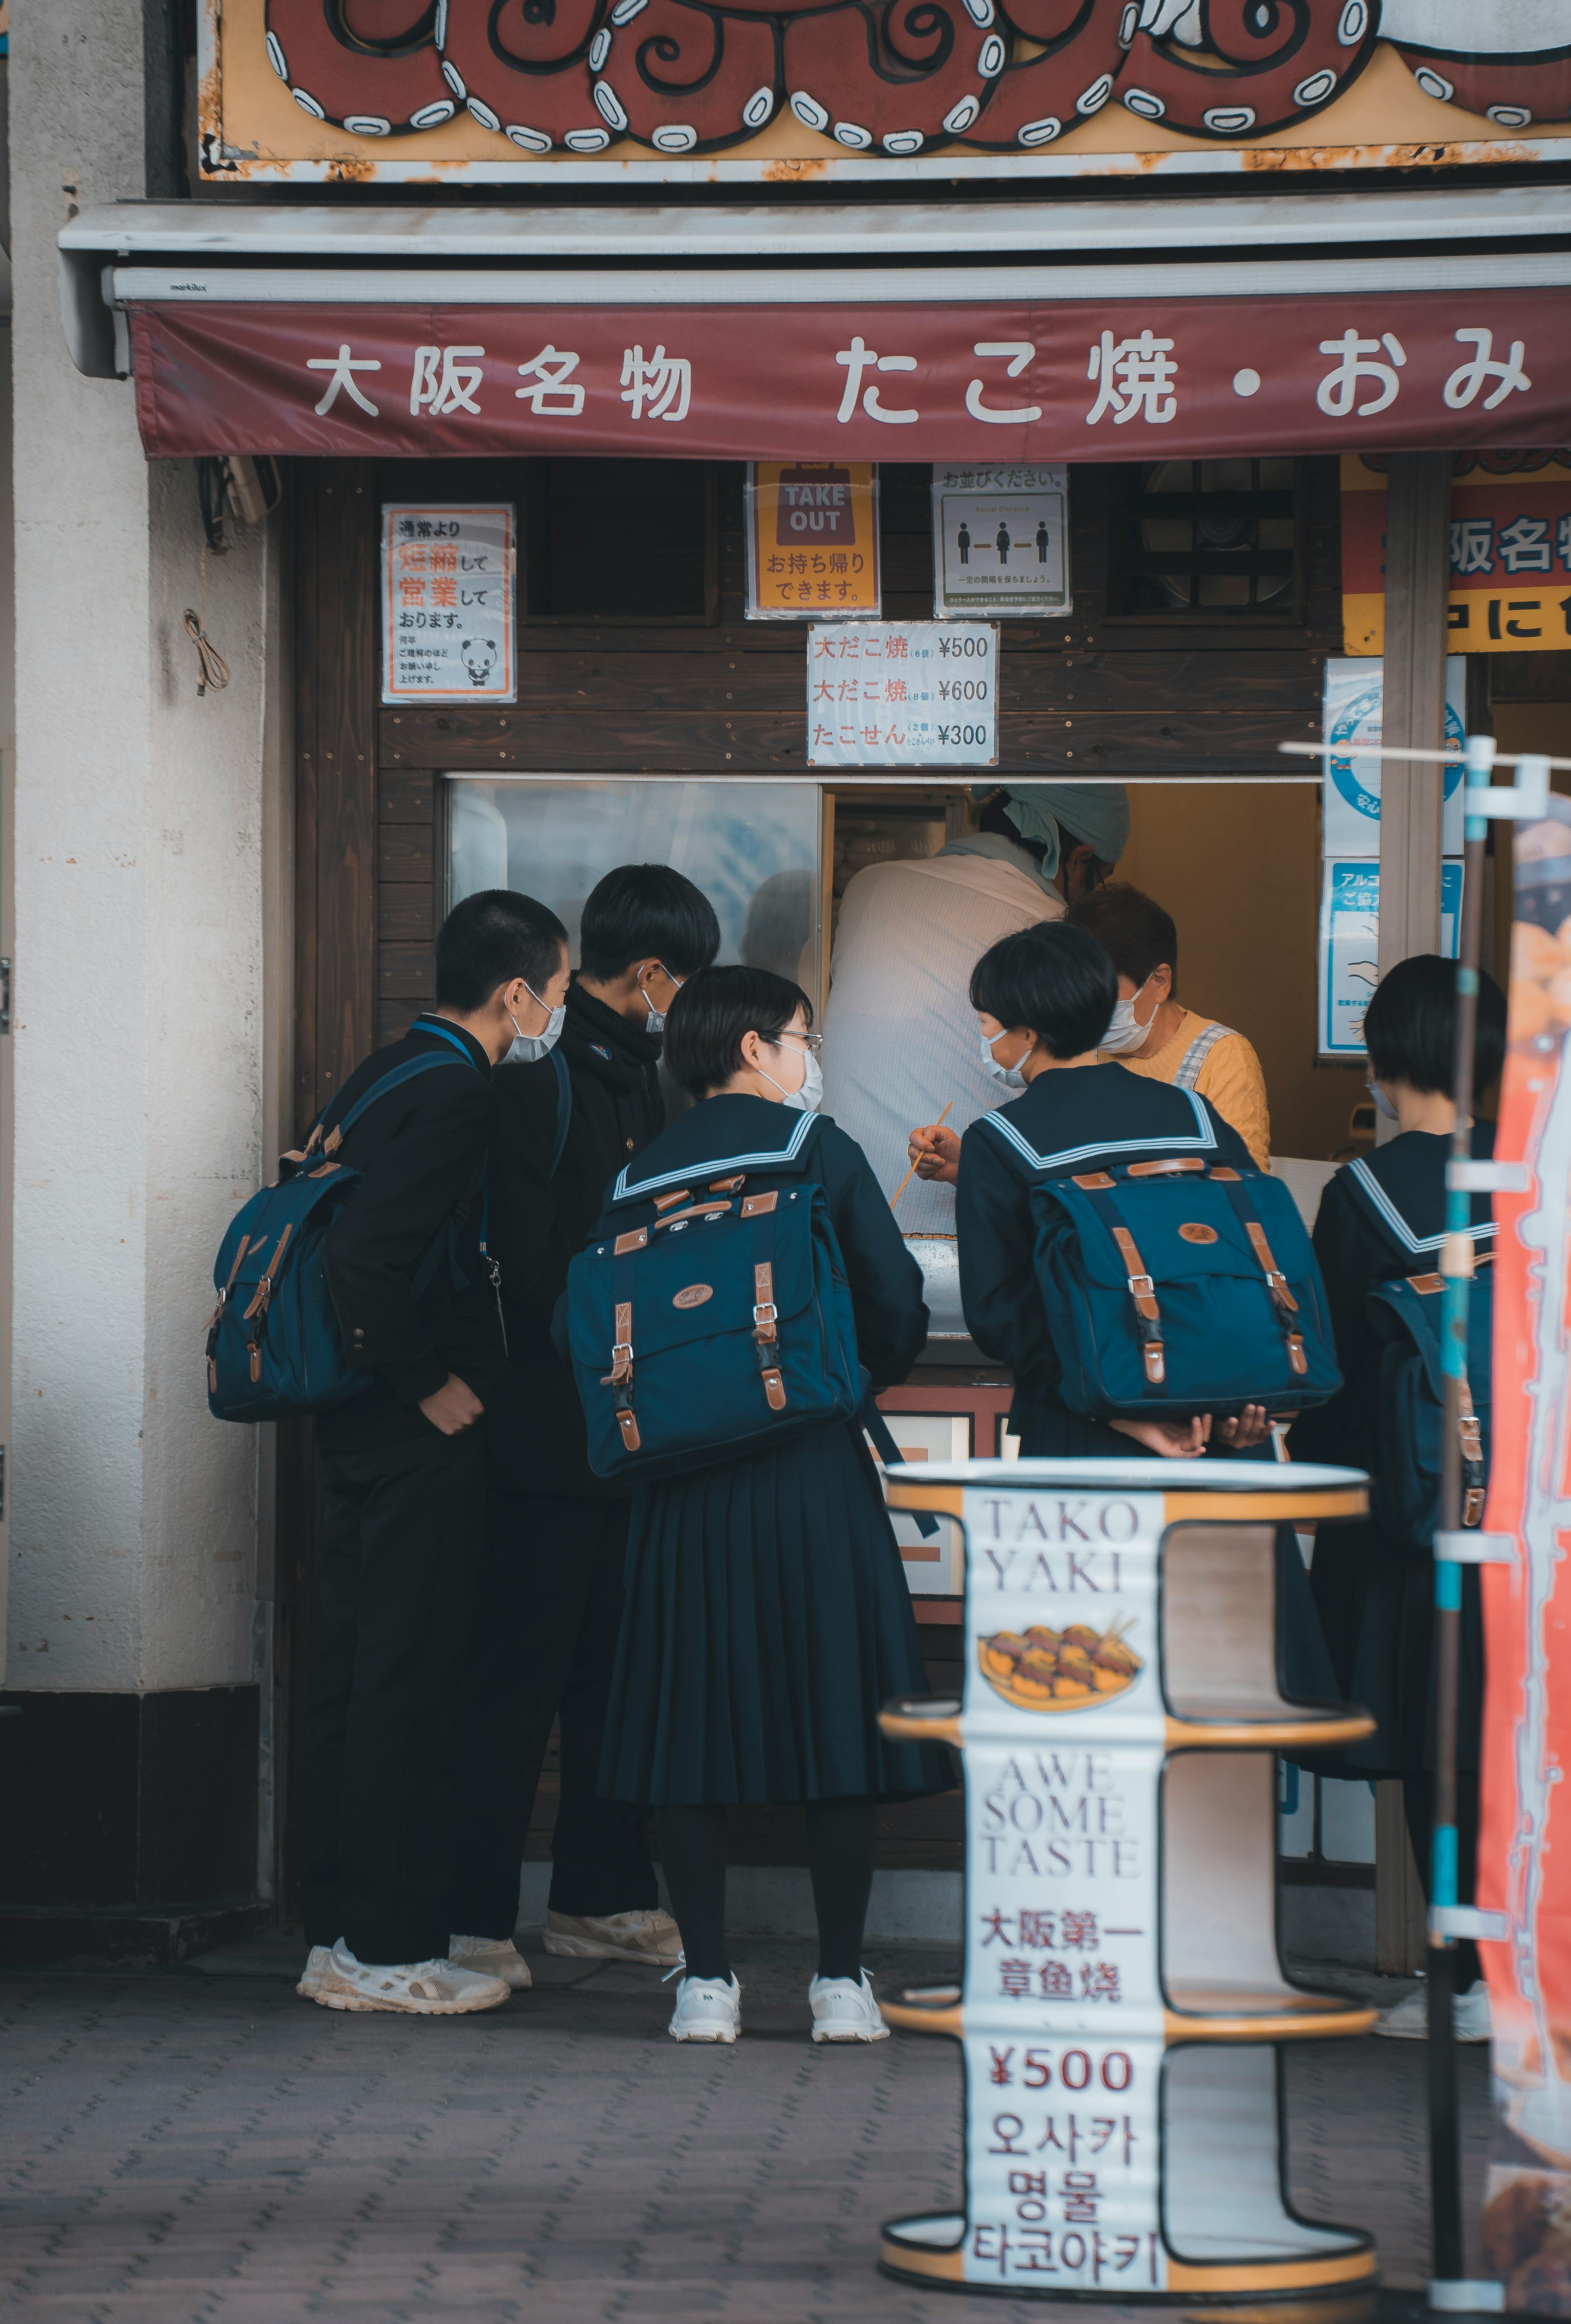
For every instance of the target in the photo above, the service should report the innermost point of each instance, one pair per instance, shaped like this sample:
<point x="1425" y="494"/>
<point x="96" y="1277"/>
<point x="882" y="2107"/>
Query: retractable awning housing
<point x="977" y="332"/>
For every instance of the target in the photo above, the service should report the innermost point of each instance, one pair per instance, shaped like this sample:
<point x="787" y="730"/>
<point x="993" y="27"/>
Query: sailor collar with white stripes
<point x="1392" y="1219"/>
<point x="1109" y="1148"/>
<point x="629" y="1188"/>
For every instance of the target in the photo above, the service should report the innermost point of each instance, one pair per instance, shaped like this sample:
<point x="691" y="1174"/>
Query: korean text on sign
<point x="447" y="603"/>
<point x="902" y="694"/>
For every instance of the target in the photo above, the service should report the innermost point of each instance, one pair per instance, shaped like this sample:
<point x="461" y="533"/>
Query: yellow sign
<point x="812" y="540"/>
<point x="1509" y="544"/>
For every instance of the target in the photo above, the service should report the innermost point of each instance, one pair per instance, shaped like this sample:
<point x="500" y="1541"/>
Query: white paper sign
<point x="902" y="694"/>
<point x="1350" y="825"/>
<point x="1001" y="539"/>
<point x="447" y="603"/>
<point x="1350" y="945"/>
<point x="1065" y="1738"/>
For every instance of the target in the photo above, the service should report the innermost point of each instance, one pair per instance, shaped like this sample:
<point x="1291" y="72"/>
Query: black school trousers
<point x="404" y="1532"/>
<point x="547" y="1616"/>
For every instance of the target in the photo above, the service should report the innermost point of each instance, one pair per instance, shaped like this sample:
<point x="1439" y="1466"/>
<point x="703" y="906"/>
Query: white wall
<point x="138" y="1042"/>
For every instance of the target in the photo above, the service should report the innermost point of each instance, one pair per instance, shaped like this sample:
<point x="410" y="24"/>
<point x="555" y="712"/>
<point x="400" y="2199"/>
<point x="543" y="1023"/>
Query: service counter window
<point x="754" y="848"/>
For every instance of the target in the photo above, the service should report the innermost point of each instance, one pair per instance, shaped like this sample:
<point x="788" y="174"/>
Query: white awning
<point x="793" y="250"/>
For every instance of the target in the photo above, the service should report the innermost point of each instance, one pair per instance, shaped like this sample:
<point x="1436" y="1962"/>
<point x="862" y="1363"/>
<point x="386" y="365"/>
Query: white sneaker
<point x="492" y="1957"/>
<point x="315" y="1969"/>
<point x="1470" y="2015"/>
<point x="706" y="2011"/>
<point x="429" y="1988"/>
<point x="1409" y="2020"/>
<point x="649" y="1938"/>
<point x="843" y="2011"/>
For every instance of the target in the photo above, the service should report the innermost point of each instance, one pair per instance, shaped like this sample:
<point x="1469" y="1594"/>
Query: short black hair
<point x="1410" y="1028"/>
<point x="715" y="1008"/>
<point x="1132" y="928"/>
<point x="490" y="938"/>
<point x="1054" y="978"/>
<point x="646" y="911"/>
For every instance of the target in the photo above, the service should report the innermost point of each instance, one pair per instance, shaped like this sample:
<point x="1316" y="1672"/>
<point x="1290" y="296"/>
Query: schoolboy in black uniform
<point x="550" y="1603"/>
<point x="403" y="1466"/>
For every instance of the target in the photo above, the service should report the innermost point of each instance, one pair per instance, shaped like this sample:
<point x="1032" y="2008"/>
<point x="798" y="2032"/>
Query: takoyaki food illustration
<point x="1041" y="1669"/>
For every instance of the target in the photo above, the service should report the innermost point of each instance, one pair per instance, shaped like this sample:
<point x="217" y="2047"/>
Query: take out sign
<point x="812" y="533"/>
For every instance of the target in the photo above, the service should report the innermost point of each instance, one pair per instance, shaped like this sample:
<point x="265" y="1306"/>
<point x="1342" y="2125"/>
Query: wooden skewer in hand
<point x="911" y="1173"/>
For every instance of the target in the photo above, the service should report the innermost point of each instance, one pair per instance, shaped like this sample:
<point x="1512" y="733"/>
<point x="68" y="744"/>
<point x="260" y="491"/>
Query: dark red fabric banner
<point x="1113" y="380"/>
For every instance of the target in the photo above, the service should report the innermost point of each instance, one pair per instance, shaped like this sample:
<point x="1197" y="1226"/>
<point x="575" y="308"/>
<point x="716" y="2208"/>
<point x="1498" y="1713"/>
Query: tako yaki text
<point x="1041" y="1669"/>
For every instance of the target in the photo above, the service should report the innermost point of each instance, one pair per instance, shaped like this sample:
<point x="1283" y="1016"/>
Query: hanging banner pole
<point x="1460" y="1541"/>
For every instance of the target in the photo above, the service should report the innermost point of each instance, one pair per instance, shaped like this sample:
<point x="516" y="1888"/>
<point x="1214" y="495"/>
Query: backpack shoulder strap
<point x="1196" y="1054"/>
<point x="395" y="1079"/>
<point x="564" y="1107"/>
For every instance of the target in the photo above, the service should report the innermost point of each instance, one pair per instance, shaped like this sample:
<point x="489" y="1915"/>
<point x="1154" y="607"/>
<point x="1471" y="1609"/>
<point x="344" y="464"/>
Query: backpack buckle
<point x="1142" y="1287"/>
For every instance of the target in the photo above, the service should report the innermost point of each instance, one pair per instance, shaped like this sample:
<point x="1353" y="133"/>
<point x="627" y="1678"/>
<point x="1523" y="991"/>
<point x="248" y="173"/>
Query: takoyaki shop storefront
<point x="771" y="543"/>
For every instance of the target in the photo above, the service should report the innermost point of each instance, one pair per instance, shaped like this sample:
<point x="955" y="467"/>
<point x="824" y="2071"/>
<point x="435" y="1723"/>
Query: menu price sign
<point x="812" y="540"/>
<point x="1002" y="539"/>
<point x="448" y="617"/>
<point x="903" y="694"/>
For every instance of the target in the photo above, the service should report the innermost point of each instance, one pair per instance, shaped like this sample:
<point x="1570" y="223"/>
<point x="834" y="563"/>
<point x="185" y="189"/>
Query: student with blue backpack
<point x="745" y="1294"/>
<point x="1151" y="1289"/>
<point x="1378" y="1238"/>
<point x="405" y="1262"/>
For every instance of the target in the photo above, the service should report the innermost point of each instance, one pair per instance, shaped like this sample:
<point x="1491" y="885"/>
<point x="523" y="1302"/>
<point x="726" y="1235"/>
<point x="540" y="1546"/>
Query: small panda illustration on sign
<point x="479" y="657"/>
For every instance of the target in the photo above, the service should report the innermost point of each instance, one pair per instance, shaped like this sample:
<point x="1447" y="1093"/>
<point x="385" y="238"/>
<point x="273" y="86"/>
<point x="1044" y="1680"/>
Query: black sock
<point x="841" y="1839"/>
<point x="692" y="1854"/>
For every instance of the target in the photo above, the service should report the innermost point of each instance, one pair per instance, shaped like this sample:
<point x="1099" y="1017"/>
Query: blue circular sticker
<point x="1359" y="721"/>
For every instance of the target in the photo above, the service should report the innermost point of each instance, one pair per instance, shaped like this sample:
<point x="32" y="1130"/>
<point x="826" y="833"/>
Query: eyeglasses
<point x="815" y="1041"/>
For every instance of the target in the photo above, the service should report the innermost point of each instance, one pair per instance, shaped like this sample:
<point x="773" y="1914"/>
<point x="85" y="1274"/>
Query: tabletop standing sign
<point x="447" y="578"/>
<point x="1123" y="1996"/>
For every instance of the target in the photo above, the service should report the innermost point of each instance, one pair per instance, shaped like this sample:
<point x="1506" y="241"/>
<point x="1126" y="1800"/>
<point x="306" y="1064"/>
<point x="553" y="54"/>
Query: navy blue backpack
<point x="719" y="1328"/>
<point x="275" y="1349"/>
<point x="1178" y="1286"/>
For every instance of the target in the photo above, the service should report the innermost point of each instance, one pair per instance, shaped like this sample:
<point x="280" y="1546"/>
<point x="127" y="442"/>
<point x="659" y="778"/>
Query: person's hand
<point x="1251" y="1426"/>
<point x="936" y="1152"/>
<point x="1175" y="1440"/>
<point x="452" y="1407"/>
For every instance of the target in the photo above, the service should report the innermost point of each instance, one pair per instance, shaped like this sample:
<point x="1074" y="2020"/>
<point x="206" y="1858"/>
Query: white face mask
<point x="1125" y="1031"/>
<point x="1383" y="1103"/>
<point x="1010" y="1076"/>
<point x="810" y="1096"/>
<point x="528" y="1048"/>
<point x="656" y="1019"/>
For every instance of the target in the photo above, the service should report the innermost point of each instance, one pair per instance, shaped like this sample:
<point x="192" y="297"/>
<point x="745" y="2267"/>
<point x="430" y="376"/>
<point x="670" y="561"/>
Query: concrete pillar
<point x="139" y="1057"/>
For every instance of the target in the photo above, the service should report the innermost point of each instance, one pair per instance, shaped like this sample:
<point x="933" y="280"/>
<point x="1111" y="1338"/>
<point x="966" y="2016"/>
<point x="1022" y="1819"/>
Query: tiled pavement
<point x="195" y="2145"/>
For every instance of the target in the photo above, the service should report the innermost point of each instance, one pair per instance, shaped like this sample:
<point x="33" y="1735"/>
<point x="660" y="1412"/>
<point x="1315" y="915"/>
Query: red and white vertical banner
<point x="1524" y="1870"/>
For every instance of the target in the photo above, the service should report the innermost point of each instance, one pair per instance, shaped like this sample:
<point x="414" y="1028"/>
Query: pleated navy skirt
<point x="767" y="1618"/>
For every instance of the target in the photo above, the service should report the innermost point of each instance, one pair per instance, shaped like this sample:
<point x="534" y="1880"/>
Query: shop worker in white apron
<point x="1152" y="1033"/>
<point x="900" y="1038"/>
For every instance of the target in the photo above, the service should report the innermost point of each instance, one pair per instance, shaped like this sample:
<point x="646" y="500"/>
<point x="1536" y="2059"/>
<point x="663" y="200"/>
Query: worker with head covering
<point x="900" y="1034"/>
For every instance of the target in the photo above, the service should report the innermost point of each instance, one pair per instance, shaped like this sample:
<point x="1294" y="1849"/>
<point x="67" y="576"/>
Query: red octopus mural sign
<point x="891" y="78"/>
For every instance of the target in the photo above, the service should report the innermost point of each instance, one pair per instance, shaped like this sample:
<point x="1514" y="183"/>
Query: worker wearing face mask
<point x="570" y="1113"/>
<point x="900" y="1039"/>
<point x="1153" y="1033"/>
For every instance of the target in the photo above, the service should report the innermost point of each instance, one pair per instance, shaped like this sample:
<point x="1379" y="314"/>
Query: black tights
<point x="842" y="1835"/>
<point x="1419" y="1802"/>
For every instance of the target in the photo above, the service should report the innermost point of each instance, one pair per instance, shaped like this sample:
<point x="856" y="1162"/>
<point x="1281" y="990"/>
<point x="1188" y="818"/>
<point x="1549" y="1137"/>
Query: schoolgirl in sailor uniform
<point x="1383" y="1216"/>
<point x="767" y="1613"/>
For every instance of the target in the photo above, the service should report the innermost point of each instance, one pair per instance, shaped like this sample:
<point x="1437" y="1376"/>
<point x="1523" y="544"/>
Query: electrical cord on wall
<point x="215" y="669"/>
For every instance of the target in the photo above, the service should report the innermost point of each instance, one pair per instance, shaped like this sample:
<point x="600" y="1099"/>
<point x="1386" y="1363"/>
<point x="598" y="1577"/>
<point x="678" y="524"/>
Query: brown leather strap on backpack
<point x="620" y="1376"/>
<point x="1276" y="1282"/>
<point x="766" y="1334"/>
